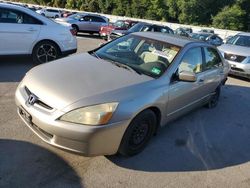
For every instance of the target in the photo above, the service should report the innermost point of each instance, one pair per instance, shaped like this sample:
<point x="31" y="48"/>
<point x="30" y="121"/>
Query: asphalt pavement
<point x="205" y="148"/>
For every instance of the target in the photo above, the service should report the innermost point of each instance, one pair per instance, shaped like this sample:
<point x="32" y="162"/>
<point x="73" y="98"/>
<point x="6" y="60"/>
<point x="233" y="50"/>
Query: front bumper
<point x="68" y="52"/>
<point x="87" y="140"/>
<point x="240" y="69"/>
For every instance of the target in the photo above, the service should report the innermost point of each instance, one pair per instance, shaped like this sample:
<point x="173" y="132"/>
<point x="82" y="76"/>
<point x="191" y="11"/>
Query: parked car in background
<point x="118" y="25"/>
<point x="66" y="14"/>
<point x="182" y="31"/>
<point x="87" y="23"/>
<point x="122" y="92"/>
<point x="50" y="13"/>
<point x="24" y="32"/>
<point x="237" y="52"/>
<point x="208" y="37"/>
<point x="141" y="26"/>
<point x="207" y="31"/>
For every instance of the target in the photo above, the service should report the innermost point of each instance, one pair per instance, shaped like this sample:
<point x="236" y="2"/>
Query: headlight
<point x="91" y="115"/>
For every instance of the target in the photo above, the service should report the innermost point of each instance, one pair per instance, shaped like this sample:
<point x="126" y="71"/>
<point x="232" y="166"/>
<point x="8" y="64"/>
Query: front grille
<point x="237" y="69"/>
<point x="233" y="57"/>
<point x="38" y="102"/>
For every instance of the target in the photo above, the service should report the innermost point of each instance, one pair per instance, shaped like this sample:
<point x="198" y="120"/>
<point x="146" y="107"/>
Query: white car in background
<point x="24" y="32"/>
<point x="50" y="13"/>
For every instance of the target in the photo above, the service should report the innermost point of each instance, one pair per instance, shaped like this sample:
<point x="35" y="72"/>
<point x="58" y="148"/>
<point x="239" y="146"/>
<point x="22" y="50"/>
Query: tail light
<point x="101" y="28"/>
<point x="73" y="32"/>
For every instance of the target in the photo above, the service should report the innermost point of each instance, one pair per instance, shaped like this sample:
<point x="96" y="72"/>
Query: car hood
<point x="235" y="49"/>
<point x="66" y="81"/>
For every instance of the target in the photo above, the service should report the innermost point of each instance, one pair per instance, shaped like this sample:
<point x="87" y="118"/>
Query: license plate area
<point x="25" y="115"/>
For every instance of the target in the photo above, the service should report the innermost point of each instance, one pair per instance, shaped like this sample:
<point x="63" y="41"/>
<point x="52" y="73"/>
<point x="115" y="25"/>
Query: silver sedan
<point x="114" y="99"/>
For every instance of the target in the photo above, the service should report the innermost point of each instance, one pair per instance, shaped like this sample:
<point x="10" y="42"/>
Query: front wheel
<point x="138" y="133"/>
<point x="45" y="51"/>
<point x="214" y="98"/>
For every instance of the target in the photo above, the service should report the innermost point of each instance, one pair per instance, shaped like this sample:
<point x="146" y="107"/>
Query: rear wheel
<point x="138" y="133"/>
<point x="45" y="51"/>
<point x="214" y="98"/>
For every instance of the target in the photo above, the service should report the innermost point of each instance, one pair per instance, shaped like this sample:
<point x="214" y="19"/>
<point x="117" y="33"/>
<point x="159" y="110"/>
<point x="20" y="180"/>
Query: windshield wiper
<point x="125" y="66"/>
<point x="95" y="54"/>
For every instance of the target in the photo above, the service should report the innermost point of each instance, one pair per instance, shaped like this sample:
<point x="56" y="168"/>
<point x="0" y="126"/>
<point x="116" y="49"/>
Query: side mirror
<point x="187" y="76"/>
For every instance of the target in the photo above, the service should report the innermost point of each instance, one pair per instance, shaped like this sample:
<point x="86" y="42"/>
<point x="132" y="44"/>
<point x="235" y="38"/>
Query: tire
<point x="56" y="16"/>
<point x="214" y="98"/>
<point x="43" y="14"/>
<point x="76" y="28"/>
<point x="45" y="51"/>
<point x="138" y="133"/>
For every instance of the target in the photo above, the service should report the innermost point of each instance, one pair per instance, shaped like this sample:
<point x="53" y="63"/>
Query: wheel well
<point x="74" y="25"/>
<point x="158" y="116"/>
<point x="48" y="40"/>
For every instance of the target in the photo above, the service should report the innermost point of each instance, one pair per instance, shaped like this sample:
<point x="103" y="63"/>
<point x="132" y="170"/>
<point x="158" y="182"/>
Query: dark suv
<point x="141" y="27"/>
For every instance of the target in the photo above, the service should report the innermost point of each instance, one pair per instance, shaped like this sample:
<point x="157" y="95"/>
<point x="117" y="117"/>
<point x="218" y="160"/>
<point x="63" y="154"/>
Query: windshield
<point x="240" y="40"/>
<point x="144" y="55"/>
<point x="138" y="27"/>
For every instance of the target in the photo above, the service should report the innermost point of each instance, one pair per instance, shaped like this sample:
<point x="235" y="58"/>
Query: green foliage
<point x="230" y="18"/>
<point x="226" y="14"/>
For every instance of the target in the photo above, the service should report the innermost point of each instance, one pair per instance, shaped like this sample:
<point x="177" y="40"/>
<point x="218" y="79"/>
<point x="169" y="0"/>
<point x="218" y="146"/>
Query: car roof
<point x="244" y="33"/>
<point x="169" y="38"/>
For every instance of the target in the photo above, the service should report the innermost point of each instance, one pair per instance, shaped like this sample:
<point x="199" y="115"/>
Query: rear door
<point x="97" y="22"/>
<point x="18" y="31"/>
<point x="213" y="69"/>
<point x="184" y="96"/>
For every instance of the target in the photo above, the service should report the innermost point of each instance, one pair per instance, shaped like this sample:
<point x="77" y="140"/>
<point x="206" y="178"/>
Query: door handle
<point x="201" y="80"/>
<point x="32" y="29"/>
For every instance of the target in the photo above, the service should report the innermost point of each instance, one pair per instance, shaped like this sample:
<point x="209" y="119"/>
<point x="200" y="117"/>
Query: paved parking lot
<point x="206" y="148"/>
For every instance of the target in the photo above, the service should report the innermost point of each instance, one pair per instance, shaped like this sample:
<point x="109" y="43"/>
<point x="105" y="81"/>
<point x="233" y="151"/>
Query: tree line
<point x="224" y="14"/>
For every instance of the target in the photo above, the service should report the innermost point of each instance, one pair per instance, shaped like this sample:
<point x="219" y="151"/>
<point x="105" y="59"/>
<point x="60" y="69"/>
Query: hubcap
<point x="139" y="134"/>
<point x="46" y="53"/>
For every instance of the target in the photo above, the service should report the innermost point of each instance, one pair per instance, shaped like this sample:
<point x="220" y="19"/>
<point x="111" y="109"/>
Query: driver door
<point x="184" y="96"/>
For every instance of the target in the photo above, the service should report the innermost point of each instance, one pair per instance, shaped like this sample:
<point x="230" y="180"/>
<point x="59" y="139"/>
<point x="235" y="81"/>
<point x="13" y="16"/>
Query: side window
<point x="212" y="58"/>
<point x="17" y="17"/>
<point x="191" y="61"/>
<point x="86" y="19"/>
<point x="97" y="19"/>
<point x="8" y="16"/>
<point x="27" y="19"/>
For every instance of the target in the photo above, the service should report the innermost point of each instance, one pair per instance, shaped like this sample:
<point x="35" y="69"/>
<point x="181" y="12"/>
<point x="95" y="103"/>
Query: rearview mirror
<point x="187" y="76"/>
